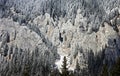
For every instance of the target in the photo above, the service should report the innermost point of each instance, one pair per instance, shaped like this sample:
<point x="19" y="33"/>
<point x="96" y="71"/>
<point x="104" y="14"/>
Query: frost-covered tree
<point x="95" y="10"/>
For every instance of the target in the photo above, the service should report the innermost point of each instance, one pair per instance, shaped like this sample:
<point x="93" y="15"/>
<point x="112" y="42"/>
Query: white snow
<point x="59" y="63"/>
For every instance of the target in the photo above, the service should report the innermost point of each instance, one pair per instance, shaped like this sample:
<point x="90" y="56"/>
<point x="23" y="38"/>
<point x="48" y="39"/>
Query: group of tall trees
<point x="105" y="71"/>
<point x="66" y="72"/>
<point x="25" y="64"/>
<point x="114" y="71"/>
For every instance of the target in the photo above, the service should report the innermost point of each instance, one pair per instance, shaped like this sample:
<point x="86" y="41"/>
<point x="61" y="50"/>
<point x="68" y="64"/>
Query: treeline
<point x="66" y="72"/>
<point x="113" y="71"/>
<point x="105" y="71"/>
<point x="41" y="63"/>
<point x="20" y="62"/>
<point x="37" y="69"/>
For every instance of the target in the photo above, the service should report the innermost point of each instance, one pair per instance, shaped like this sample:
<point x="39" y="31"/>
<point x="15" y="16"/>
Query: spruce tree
<point x="64" y="68"/>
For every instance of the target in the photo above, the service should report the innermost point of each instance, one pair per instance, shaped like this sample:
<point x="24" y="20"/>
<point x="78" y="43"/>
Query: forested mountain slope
<point x="37" y="34"/>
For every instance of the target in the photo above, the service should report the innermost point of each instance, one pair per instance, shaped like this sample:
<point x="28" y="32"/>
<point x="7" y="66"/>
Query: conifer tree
<point x="64" y="68"/>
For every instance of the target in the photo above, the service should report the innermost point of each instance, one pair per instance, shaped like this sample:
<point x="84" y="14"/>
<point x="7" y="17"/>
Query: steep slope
<point x="42" y="32"/>
<point x="20" y="47"/>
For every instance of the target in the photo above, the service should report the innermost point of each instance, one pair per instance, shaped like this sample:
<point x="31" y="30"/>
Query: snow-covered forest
<point x="36" y="36"/>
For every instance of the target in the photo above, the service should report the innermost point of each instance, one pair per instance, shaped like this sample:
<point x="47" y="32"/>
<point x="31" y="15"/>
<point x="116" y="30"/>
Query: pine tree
<point x="64" y="68"/>
<point x="105" y="70"/>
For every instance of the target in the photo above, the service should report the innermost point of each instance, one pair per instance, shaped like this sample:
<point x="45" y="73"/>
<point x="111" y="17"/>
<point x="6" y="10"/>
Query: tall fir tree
<point x="64" y="68"/>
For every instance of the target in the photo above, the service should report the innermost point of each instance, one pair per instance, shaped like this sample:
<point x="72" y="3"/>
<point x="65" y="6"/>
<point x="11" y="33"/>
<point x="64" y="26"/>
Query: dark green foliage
<point x="77" y="66"/>
<point x="52" y="73"/>
<point x="84" y="72"/>
<point x="105" y="71"/>
<point x="95" y="62"/>
<point x="71" y="73"/>
<point x="64" y="68"/>
<point x="26" y="70"/>
<point x="55" y="72"/>
<point x="91" y="62"/>
<point x="116" y="68"/>
<point x="77" y="70"/>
